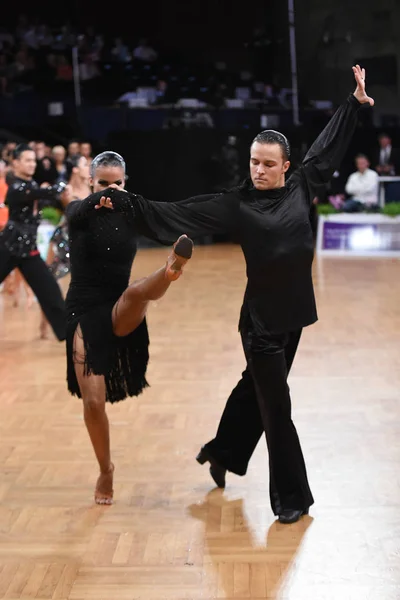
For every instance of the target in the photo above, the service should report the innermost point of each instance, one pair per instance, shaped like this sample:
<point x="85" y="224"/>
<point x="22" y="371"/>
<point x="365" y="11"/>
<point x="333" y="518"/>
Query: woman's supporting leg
<point x="44" y="324"/>
<point x="11" y="288"/>
<point x="130" y="310"/>
<point x="93" y="394"/>
<point x="21" y="283"/>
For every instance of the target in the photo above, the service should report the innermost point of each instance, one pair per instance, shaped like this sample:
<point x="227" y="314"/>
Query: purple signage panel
<point x="370" y="237"/>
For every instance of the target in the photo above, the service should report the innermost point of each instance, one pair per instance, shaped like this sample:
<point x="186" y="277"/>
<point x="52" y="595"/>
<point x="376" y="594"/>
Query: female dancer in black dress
<point x="107" y="338"/>
<point x="57" y="258"/>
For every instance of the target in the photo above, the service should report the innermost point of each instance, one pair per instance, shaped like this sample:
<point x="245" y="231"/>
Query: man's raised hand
<point x="360" y="93"/>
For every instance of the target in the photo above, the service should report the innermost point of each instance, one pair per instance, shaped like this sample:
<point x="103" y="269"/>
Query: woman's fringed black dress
<point x="102" y="249"/>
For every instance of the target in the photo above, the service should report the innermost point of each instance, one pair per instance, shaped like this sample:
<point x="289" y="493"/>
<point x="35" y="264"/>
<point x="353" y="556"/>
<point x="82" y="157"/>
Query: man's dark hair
<point x="362" y="156"/>
<point x="270" y="136"/>
<point x="18" y="150"/>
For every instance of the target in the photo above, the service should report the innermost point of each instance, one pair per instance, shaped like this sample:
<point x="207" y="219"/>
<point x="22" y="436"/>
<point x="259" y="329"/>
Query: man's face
<point x="58" y="154"/>
<point x="86" y="150"/>
<point x="25" y="165"/>
<point x="105" y="176"/>
<point x="267" y="166"/>
<point x="73" y="148"/>
<point x="362" y="164"/>
<point x="40" y="150"/>
<point x="385" y="141"/>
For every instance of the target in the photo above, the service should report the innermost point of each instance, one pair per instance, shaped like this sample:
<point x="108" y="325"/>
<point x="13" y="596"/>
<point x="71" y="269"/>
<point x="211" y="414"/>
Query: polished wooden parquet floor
<point x="170" y="535"/>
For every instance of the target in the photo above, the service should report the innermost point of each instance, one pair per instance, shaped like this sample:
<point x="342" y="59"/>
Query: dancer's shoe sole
<point x="183" y="251"/>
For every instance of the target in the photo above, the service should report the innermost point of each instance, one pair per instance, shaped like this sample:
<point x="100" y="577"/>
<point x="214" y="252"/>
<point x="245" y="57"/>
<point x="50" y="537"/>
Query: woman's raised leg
<point x="130" y="310"/>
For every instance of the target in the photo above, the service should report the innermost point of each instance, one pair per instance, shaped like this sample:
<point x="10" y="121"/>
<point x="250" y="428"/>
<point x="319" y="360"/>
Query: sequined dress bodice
<point x="102" y="250"/>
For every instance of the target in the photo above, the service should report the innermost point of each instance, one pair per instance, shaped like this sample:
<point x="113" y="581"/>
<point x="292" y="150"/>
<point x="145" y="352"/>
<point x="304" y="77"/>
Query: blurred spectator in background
<point x="7" y="150"/>
<point x="86" y="151"/>
<point x="145" y="52"/>
<point x="46" y="170"/>
<point x="88" y="68"/>
<point x="362" y="187"/>
<point x="73" y="148"/>
<point x="59" y="156"/>
<point x="387" y="159"/>
<point x="228" y="164"/>
<point x="120" y="51"/>
<point x="335" y="190"/>
<point x="64" y="70"/>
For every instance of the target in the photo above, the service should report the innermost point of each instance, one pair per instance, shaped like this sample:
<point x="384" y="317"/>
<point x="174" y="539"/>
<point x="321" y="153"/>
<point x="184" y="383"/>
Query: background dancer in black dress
<point x="57" y="258"/>
<point x="270" y="219"/>
<point x="18" y="240"/>
<point x="107" y="338"/>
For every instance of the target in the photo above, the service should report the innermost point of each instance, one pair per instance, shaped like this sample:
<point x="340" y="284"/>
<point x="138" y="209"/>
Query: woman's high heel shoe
<point x="183" y="250"/>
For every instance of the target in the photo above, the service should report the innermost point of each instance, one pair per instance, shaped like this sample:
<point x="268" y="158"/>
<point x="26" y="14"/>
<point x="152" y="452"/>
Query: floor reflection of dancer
<point x="18" y="240"/>
<point x="107" y="338"/>
<point x="269" y="216"/>
<point x="78" y="188"/>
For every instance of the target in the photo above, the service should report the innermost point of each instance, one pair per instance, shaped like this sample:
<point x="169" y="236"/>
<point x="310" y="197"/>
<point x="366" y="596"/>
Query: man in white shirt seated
<point x="362" y="186"/>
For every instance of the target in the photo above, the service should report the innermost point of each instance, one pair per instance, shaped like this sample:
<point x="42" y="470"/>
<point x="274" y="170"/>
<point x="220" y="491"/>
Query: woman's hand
<point x="114" y="186"/>
<point x="105" y="202"/>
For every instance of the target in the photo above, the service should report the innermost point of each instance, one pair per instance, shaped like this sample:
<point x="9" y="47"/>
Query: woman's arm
<point x="79" y="210"/>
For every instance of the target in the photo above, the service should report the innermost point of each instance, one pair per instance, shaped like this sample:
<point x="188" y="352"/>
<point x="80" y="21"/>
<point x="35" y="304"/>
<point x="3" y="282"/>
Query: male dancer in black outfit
<point x="18" y="248"/>
<point x="270" y="219"/>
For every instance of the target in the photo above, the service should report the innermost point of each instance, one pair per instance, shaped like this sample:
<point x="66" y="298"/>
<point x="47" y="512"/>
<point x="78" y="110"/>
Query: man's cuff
<point x="354" y="102"/>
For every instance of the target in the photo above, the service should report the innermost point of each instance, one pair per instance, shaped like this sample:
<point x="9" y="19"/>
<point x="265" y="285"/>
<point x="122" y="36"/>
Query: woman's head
<point x="269" y="160"/>
<point x="78" y="167"/>
<point x="107" y="168"/>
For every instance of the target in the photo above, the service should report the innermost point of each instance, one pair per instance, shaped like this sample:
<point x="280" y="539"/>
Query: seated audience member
<point x="362" y="187"/>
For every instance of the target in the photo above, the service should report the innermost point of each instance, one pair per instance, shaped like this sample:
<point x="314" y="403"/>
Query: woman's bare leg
<point x="131" y="308"/>
<point x="21" y="283"/>
<point x="10" y="286"/>
<point x="44" y="324"/>
<point x="93" y="393"/>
